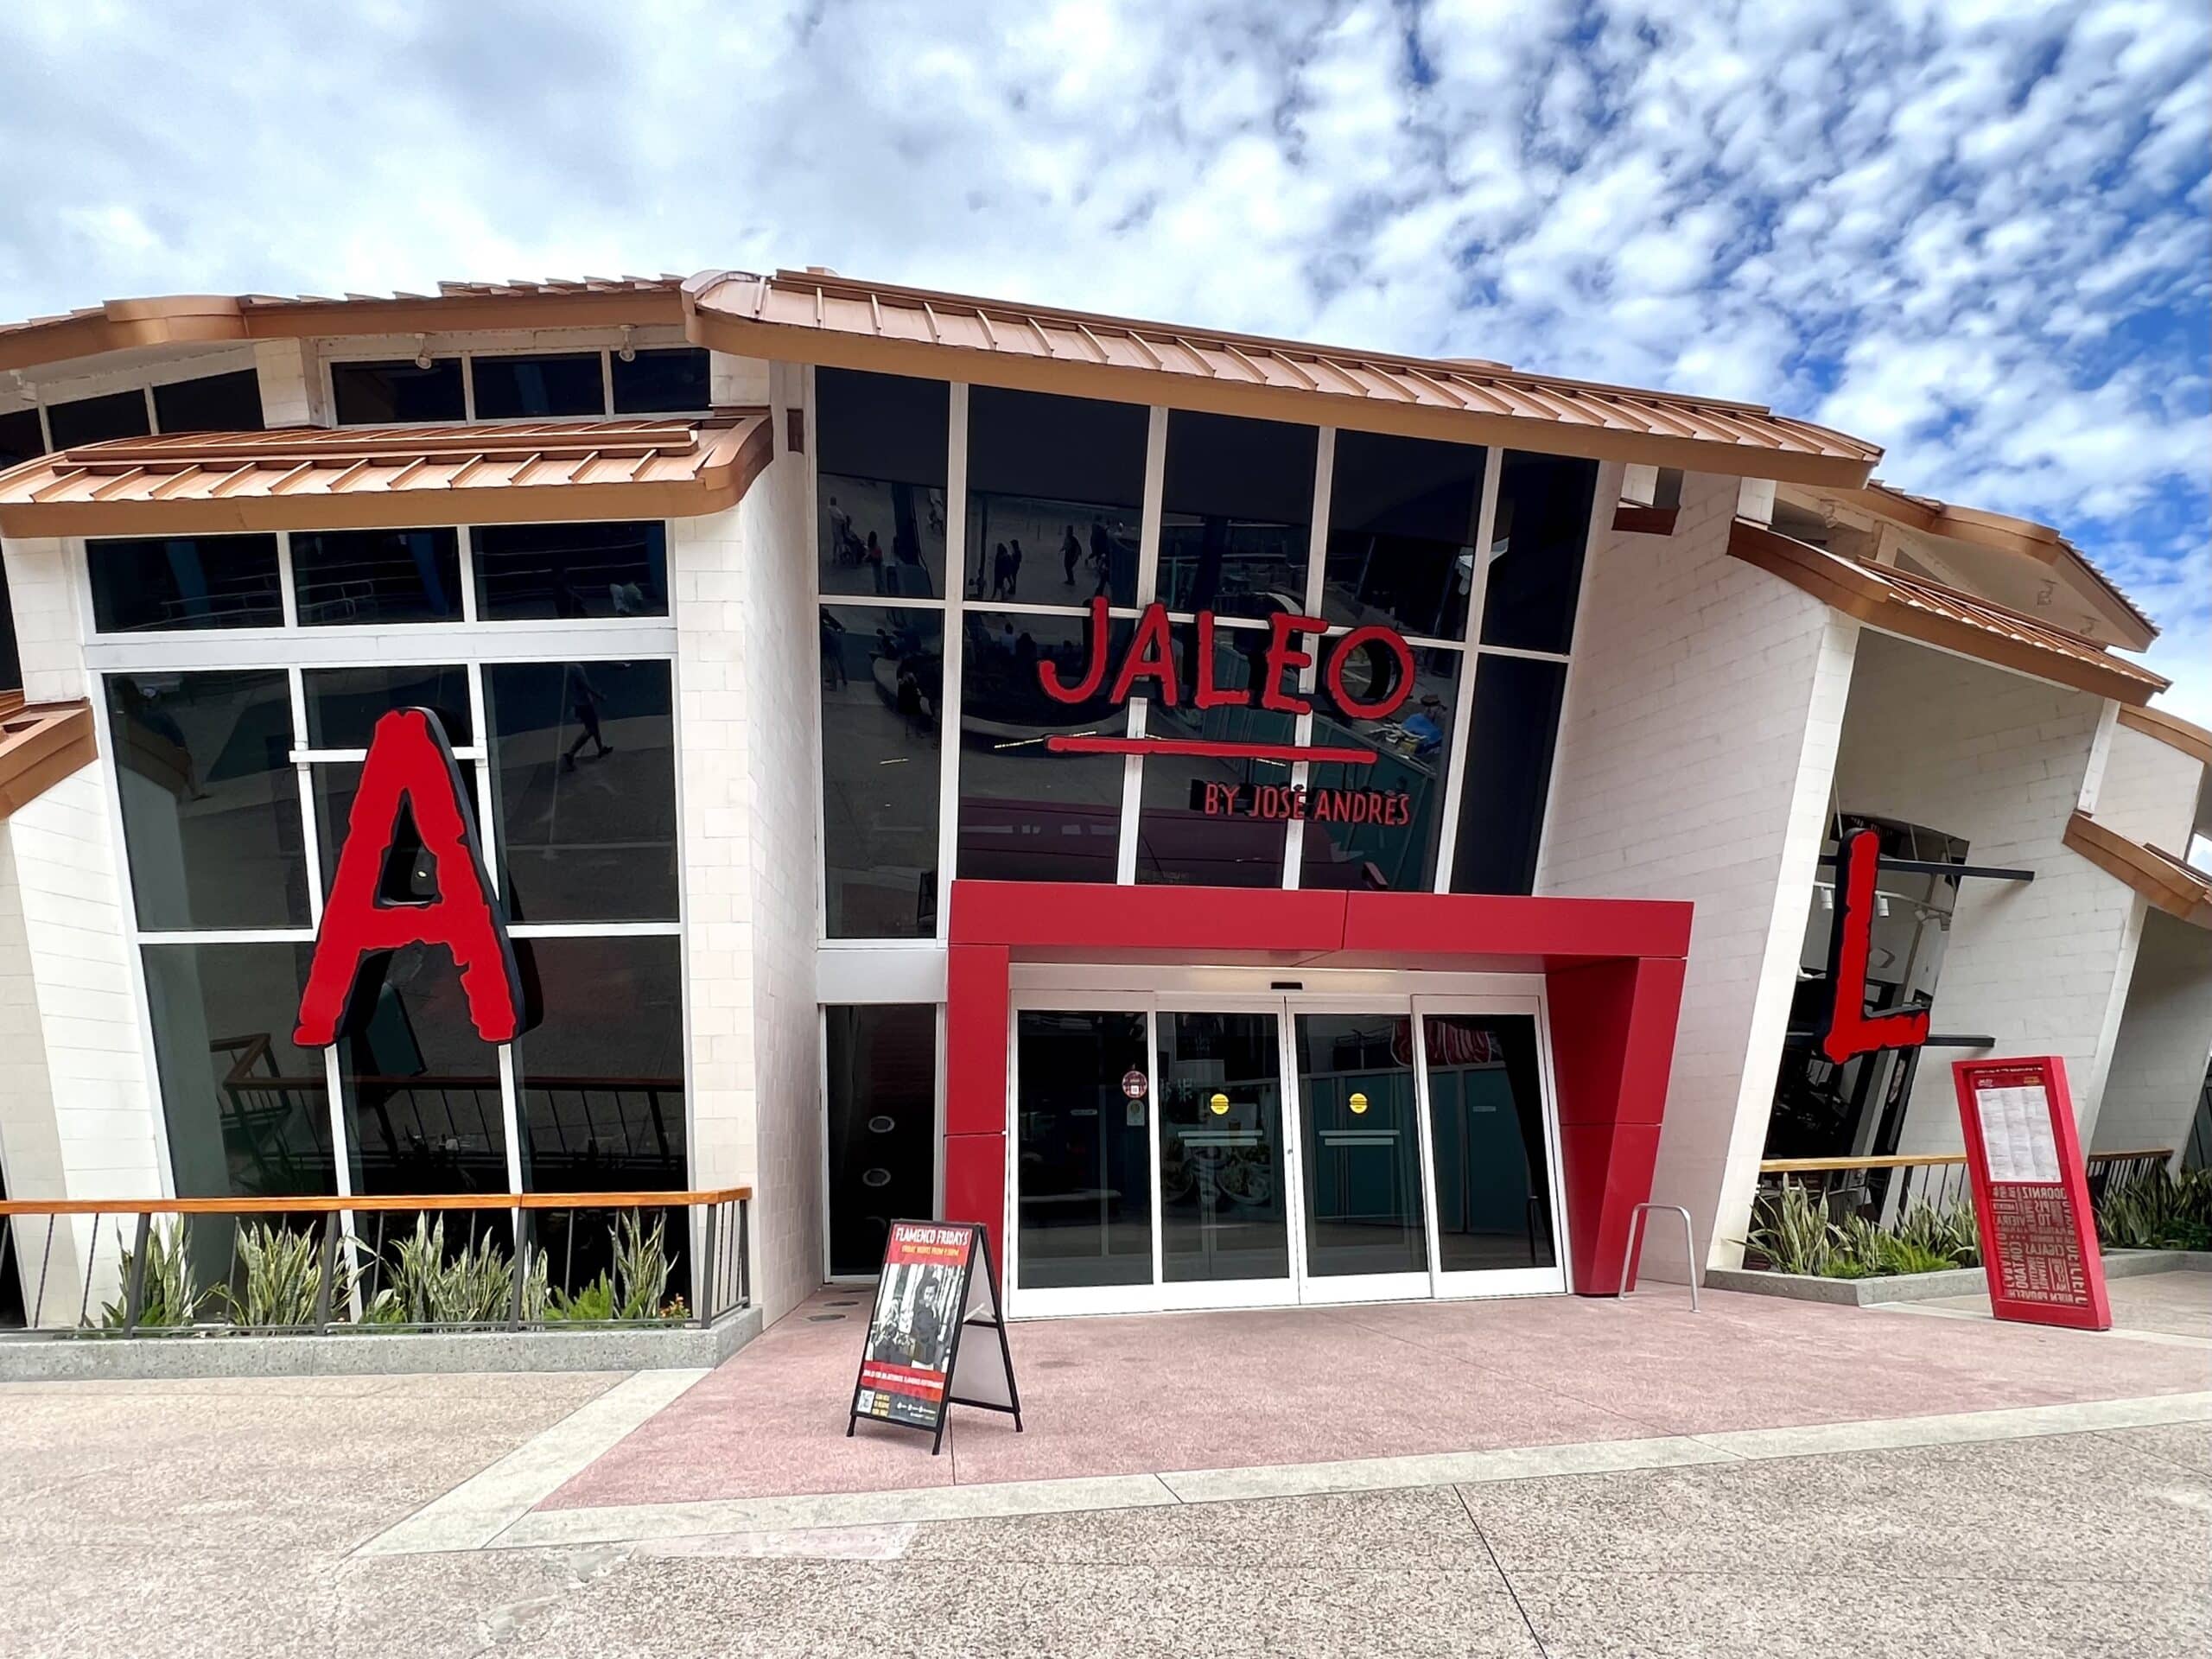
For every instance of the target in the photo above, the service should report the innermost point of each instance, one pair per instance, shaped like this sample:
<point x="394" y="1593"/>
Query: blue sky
<point x="1978" y="234"/>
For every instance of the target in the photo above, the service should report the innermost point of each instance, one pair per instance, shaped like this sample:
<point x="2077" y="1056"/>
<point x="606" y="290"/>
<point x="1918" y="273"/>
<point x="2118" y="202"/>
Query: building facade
<point x="1249" y="822"/>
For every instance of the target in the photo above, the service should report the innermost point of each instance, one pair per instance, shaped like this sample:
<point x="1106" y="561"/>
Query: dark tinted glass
<point x="1361" y="1137"/>
<point x="1486" y="1120"/>
<point x="882" y="443"/>
<point x="1413" y="751"/>
<point x="210" y="810"/>
<point x="376" y="576"/>
<point x="882" y="687"/>
<point x="93" y="420"/>
<point x="1060" y="481"/>
<point x="214" y="403"/>
<point x="882" y="1071"/>
<point x="511" y="388"/>
<point x="1237" y="515"/>
<point x="655" y="381"/>
<point x="600" y="1067"/>
<point x="344" y="704"/>
<point x="1222" y="1208"/>
<point x="528" y="572"/>
<point x="1542" y="528"/>
<point x="12" y="661"/>
<point x="185" y="581"/>
<point x="583" y="783"/>
<point x="247" y="1113"/>
<point x="1084" y="1149"/>
<point x="20" y="438"/>
<point x="410" y="876"/>
<point x="1026" y="813"/>
<point x="1509" y="774"/>
<point x="1189" y="829"/>
<point x="423" y="1112"/>
<point x="375" y="393"/>
<point x="1402" y="515"/>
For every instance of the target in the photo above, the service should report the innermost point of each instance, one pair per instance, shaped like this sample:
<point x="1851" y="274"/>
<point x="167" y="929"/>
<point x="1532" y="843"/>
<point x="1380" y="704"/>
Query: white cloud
<point x="1976" y="234"/>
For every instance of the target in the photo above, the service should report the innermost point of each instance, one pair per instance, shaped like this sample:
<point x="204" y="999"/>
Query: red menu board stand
<point x="2031" y="1193"/>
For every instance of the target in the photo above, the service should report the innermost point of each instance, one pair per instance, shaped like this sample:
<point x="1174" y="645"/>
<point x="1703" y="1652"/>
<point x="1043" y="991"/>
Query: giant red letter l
<point x="1848" y="1030"/>
<point x="409" y="763"/>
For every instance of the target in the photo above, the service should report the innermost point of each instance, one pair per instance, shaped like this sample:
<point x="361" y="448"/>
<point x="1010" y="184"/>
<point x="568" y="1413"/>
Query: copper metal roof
<point x="1914" y="608"/>
<point x="217" y="319"/>
<point x="2168" y="881"/>
<point x="40" y="744"/>
<point x="816" y="317"/>
<point x="315" y="478"/>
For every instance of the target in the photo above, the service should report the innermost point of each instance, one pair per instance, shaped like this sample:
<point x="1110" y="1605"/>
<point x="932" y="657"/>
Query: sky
<point x="1977" y="234"/>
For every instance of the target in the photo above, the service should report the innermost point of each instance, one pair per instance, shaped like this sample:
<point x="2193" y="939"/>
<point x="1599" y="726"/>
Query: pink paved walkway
<point x="1160" y="1392"/>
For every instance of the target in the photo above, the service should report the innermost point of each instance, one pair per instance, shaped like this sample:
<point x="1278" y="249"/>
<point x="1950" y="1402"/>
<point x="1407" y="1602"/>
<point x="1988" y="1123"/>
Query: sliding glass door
<point x="1211" y="1151"/>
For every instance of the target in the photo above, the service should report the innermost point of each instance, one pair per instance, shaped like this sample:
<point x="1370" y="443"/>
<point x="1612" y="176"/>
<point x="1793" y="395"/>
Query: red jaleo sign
<point x="2031" y="1193"/>
<point x="1148" y="669"/>
<point x="1846" y="1030"/>
<point x="410" y="768"/>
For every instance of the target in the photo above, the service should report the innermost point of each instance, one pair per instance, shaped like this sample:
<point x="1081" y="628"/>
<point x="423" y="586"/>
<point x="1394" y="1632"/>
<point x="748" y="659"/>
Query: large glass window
<point x="1402" y="518"/>
<point x="583" y="782"/>
<point x="424" y="1112"/>
<point x="1223" y="1206"/>
<point x="882" y="688"/>
<point x="527" y="572"/>
<point x="376" y="576"/>
<point x="1541" y="530"/>
<point x="369" y="394"/>
<point x="599" y="1068"/>
<point x="217" y="810"/>
<point x="1397" y="852"/>
<point x="344" y="704"/>
<point x="1508" y="773"/>
<point x="538" y="385"/>
<point x="213" y="402"/>
<point x="650" y="383"/>
<point x="247" y="1113"/>
<point x="882" y="442"/>
<point x="1356" y="1098"/>
<point x="20" y="437"/>
<point x="211" y="807"/>
<point x="160" y="584"/>
<point x="1055" y="490"/>
<point x="95" y="420"/>
<point x="1027" y="814"/>
<point x="1237" y="515"/>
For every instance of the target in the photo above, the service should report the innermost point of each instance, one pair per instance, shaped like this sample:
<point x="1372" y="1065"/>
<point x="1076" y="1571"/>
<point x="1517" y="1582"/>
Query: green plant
<point x="635" y="1288"/>
<point x="1902" y="1255"/>
<point x="283" y="1277"/>
<point x="475" y="1284"/>
<point x="2158" y="1210"/>
<point x="171" y="1297"/>
<point x="594" y="1303"/>
<point x="1861" y="1250"/>
<point x="1945" y="1237"/>
<point x="1792" y="1230"/>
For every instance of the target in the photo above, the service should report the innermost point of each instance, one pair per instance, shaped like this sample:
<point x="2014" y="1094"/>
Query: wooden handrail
<point x="1919" y="1160"/>
<point x="325" y="1203"/>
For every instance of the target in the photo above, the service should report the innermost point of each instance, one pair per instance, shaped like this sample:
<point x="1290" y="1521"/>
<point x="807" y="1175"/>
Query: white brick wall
<point x="79" y="1117"/>
<point x="290" y="389"/>
<point x="2164" y="1041"/>
<point x="741" y="589"/>
<point x="1999" y="760"/>
<point x="2148" y="791"/>
<point x="43" y="594"/>
<point x="1702" y="715"/>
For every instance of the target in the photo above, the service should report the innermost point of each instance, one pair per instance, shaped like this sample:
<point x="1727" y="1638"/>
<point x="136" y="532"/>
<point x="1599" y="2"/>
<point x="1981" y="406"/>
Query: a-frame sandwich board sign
<point x="915" y="1367"/>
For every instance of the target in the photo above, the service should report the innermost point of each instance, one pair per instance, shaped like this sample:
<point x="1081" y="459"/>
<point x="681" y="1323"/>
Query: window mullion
<point x="950" y="654"/>
<point x="1448" y="842"/>
<point x="1155" y="485"/>
<point x="1317" y="562"/>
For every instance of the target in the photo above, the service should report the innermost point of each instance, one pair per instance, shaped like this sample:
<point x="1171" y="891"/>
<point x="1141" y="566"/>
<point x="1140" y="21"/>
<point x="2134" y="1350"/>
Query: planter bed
<point x="1927" y="1286"/>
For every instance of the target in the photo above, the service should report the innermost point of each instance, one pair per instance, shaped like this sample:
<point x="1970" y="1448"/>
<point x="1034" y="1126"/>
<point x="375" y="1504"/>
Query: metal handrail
<point x="712" y="1249"/>
<point x="1639" y="1226"/>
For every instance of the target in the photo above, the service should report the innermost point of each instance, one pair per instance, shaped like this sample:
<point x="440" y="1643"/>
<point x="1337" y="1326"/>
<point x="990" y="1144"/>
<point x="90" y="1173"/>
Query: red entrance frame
<point x="1612" y="972"/>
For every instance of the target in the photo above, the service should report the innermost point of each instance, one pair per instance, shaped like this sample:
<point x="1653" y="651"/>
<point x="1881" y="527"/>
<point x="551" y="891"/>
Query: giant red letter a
<point x="410" y="764"/>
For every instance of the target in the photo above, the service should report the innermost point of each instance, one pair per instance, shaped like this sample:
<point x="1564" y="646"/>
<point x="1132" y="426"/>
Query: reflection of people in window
<point x="840" y="533"/>
<point x="833" y="649"/>
<point x="1070" y="552"/>
<point x="584" y="700"/>
<point x="1001" y="572"/>
<point x="1014" y="571"/>
<point x="1426" y="725"/>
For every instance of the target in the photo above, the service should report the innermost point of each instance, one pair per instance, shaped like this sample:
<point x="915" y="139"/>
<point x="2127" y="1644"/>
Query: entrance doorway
<point x="1178" y="1149"/>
